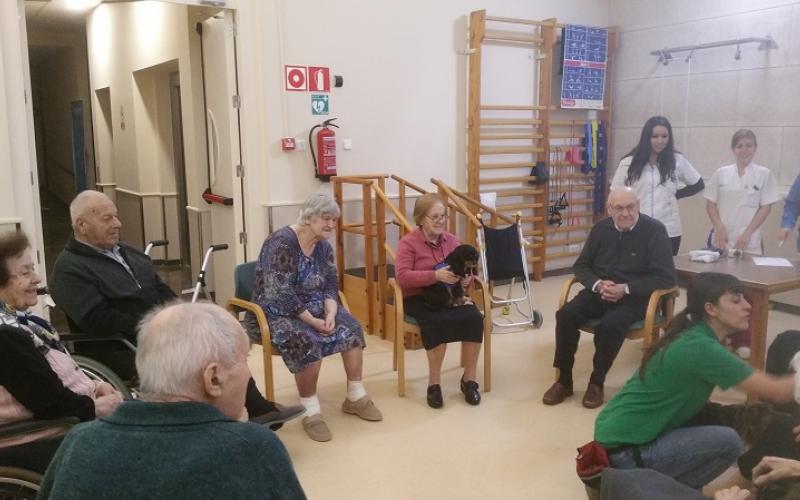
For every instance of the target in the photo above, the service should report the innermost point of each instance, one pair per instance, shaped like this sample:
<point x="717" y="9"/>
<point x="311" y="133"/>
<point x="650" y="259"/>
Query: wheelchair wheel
<point x="537" y="319"/>
<point x="18" y="484"/>
<point x="98" y="371"/>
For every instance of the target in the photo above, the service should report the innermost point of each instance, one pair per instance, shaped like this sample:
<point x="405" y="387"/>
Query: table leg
<point x="758" y="321"/>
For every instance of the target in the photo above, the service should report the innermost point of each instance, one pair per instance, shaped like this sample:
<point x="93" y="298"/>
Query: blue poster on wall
<point x="585" y="59"/>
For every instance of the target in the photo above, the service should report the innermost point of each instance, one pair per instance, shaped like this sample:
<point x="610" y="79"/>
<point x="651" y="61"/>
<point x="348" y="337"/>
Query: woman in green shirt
<point x="647" y="424"/>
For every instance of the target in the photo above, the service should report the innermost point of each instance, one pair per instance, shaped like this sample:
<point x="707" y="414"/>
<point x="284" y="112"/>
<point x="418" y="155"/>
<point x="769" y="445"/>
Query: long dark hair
<point x="641" y="153"/>
<point x="706" y="288"/>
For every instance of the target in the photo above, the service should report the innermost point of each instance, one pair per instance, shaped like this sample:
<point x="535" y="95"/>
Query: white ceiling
<point x="55" y="15"/>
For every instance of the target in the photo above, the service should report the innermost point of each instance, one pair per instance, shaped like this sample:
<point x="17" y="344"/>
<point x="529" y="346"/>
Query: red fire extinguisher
<point x="325" y="157"/>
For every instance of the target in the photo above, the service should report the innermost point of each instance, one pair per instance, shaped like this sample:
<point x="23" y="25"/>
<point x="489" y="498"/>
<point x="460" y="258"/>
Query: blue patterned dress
<point x="287" y="282"/>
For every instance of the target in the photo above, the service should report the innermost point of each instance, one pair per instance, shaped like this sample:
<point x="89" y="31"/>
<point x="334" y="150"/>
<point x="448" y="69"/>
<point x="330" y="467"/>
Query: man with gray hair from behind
<point x="189" y="436"/>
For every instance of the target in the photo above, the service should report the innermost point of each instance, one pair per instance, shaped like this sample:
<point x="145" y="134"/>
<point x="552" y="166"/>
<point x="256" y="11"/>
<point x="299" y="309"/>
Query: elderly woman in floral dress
<point x="296" y="286"/>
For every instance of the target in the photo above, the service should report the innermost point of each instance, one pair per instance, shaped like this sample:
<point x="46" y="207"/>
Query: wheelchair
<point x="99" y="371"/>
<point x="23" y="484"/>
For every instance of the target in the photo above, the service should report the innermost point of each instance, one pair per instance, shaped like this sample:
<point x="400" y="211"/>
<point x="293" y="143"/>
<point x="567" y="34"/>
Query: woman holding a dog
<point x="420" y="255"/>
<point x="648" y="424"/>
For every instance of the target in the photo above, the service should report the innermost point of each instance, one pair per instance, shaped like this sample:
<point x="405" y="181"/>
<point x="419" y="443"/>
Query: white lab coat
<point x="739" y="198"/>
<point x="655" y="199"/>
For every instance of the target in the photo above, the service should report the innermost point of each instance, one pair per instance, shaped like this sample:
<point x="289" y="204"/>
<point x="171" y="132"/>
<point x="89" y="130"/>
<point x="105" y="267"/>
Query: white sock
<point x="355" y="390"/>
<point x="311" y="404"/>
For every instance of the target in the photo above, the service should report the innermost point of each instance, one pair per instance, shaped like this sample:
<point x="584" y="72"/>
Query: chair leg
<point x="400" y="360"/>
<point x="269" y="380"/>
<point x="487" y="361"/>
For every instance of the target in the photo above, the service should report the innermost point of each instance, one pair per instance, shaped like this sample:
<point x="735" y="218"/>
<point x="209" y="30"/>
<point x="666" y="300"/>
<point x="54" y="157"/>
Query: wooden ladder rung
<point x="562" y="255"/>
<point x="565" y="241"/>
<point x="501" y="137"/>
<point x="514" y="20"/>
<point x="516" y="206"/>
<point x="567" y="229"/>
<point x="558" y="177"/>
<point x="518" y="192"/>
<point x="503" y="180"/>
<point x="587" y="213"/>
<point x="512" y="36"/>
<point x="532" y="218"/>
<point x="567" y="123"/>
<point x="354" y="230"/>
<point x="509" y="150"/>
<point x="512" y="164"/>
<point x="510" y="107"/>
<point x="564" y="135"/>
<point x="509" y="121"/>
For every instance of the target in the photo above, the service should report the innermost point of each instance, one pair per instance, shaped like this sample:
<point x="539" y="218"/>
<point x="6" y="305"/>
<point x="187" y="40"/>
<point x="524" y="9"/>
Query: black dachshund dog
<point x="766" y="432"/>
<point x="463" y="262"/>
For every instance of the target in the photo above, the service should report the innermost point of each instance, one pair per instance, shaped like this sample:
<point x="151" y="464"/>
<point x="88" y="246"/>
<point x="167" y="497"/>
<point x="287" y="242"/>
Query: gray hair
<point x="84" y="203"/>
<point x="177" y="341"/>
<point x="317" y="205"/>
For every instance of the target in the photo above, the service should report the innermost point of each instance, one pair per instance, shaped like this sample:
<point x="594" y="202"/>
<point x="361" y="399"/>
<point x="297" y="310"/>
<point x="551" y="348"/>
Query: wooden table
<point x="759" y="281"/>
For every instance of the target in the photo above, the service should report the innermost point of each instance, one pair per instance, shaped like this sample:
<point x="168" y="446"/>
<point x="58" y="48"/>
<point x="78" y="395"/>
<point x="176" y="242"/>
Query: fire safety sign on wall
<point x="307" y="78"/>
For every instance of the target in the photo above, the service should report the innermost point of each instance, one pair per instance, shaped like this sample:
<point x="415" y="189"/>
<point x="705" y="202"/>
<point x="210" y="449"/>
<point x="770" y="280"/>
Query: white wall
<point x="404" y="96"/>
<point x="132" y="49"/>
<point x="708" y="98"/>
<point x="19" y="194"/>
<point x="714" y="94"/>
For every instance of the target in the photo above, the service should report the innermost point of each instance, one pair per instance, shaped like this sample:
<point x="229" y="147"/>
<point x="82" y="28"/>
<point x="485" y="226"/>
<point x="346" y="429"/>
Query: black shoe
<point x="470" y="390"/>
<point x="435" y="396"/>
<point x="276" y="418"/>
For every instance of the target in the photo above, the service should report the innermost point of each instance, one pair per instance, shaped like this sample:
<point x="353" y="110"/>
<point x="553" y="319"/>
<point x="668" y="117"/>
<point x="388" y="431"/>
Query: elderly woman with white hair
<point x="186" y="439"/>
<point x="296" y="285"/>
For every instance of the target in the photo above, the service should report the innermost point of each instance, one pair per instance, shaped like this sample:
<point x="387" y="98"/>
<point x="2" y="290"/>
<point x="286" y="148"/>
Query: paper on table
<point x="772" y="261"/>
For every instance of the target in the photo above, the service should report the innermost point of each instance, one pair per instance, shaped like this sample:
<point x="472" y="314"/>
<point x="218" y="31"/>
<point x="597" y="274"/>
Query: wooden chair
<point x="243" y="291"/>
<point x="659" y="313"/>
<point x="406" y="328"/>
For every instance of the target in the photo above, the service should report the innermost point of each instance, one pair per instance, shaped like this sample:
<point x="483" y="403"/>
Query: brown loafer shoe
<point x="364" y="408"/>
<point x="593" y="397"/>
<point x="556" y="394"/>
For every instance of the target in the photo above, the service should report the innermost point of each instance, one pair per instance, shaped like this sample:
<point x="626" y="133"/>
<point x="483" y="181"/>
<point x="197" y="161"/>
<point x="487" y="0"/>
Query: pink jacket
<point x="416" y="258"/>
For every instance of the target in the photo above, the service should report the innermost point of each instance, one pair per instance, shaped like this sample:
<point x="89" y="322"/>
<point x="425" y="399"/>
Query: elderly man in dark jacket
<point x="625" y="258"/>
<point x="105" y="287"/>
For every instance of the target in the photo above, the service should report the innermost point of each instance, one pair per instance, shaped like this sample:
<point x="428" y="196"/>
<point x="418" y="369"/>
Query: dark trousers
<point x="609" y="334"/>
<point x="34" y="456"/>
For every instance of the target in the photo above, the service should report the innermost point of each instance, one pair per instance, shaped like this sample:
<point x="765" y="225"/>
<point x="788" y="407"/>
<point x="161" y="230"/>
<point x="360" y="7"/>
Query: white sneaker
<point x="743" y="352"/>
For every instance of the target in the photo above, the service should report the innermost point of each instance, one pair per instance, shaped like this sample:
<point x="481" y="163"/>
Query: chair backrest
<point x="243" y="276"/>
<point x="503" y="257"/>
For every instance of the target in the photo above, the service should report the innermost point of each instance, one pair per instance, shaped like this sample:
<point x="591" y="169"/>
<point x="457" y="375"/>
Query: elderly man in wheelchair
<point x="38" y="377"/>
<point x="105" y="287"/>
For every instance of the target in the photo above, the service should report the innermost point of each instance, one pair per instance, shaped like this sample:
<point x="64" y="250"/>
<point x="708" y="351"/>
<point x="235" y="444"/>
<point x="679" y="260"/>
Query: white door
<point x="222" y="113"/>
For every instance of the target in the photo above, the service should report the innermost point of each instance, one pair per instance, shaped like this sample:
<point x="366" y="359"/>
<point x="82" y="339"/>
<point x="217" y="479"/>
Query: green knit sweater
<point x="170" y="450"/>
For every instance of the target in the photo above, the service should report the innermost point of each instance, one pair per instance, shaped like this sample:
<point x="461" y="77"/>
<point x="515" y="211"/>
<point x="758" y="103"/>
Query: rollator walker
<point x="503" y="258"/>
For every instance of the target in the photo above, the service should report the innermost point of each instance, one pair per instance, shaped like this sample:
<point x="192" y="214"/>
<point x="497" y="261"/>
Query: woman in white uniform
<point x="654" y="170"/>
<point x="739" y="198"/>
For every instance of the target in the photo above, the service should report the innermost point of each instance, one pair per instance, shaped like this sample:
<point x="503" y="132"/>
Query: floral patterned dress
<point x="288" y="282"/>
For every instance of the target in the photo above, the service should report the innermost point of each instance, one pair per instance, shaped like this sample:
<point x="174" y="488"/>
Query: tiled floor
<point x="509" y="447"/>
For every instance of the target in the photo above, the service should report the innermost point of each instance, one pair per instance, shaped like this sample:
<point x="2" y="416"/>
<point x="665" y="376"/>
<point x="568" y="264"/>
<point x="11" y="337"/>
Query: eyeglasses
<point x="622" y="208"/>
<point x="437" y="218"/>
